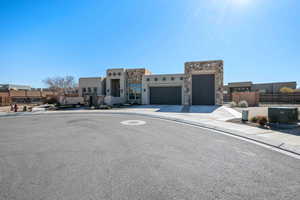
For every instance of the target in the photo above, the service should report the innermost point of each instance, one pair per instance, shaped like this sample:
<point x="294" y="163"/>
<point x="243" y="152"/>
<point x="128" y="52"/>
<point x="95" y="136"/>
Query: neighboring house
<point x="200" y="84"/>
<point x="267" y="88"/>
<point x="7" y="87"/>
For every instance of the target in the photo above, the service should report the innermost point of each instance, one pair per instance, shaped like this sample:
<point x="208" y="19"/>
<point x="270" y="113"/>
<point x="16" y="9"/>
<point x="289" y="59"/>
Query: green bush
<point x="254" y="119"/>
<point x="243" y="104"/>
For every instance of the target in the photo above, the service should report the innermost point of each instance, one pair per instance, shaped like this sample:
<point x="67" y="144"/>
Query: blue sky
<point x="259" y="40"/>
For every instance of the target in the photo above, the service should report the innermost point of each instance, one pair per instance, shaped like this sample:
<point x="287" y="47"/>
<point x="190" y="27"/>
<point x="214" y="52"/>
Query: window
<point x="89" y="90"/>
<point x="95" y="89"/>
<point x="155" y="79"/>
<point x="134" y="91"/>
<point x="164" y="78"/>
<point x="172" y="78"/>
<point x="114" y="74"/>
<point x="84" y="89"/>
<point x="119" y="73"/>
<point x="148" y="79"/>
<point x="181" y="78"/>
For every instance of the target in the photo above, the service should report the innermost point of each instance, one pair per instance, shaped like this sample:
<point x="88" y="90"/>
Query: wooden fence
<point x="287" y="98"/>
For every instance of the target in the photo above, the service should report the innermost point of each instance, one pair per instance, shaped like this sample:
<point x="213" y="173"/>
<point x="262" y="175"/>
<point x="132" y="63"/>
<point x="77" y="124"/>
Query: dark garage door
<point x="203" y="89"/>
<point x="165" y="95"/>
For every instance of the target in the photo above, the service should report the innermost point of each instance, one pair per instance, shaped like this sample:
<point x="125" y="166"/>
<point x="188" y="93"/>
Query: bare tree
<point x="61" y="84"/>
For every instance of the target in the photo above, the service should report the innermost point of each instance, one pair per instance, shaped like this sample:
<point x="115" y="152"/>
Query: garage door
<point x="203" y="89"/>
<point x="165" y="95"/>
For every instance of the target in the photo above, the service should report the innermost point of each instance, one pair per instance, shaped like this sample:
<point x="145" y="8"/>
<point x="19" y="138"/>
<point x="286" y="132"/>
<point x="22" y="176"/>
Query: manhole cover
<point x="133" y="122"/>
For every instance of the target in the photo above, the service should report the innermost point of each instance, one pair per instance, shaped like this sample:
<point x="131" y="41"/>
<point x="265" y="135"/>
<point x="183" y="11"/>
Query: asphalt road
<point x="89" y="156"/>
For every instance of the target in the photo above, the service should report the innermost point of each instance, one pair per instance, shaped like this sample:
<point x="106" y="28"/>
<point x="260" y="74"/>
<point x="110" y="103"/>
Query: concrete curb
<point x="276" y="145"/>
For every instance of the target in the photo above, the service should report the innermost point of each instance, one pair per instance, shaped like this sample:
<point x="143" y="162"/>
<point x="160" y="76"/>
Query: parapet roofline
<point x="201" y="62"/>
<point x="164" y="75"/>
<point x="91" y="78"/>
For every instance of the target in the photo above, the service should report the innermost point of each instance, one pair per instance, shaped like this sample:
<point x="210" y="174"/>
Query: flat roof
<point x="165" y="75"/>
<point x="91" y="78"/>
<point x="240" y="84"/>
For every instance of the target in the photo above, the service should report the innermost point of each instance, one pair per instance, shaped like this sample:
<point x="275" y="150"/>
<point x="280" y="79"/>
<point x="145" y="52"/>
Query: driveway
<point x="101" y="156"/>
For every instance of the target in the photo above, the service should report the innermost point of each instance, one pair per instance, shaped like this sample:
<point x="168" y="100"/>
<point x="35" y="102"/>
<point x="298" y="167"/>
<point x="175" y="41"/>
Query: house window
<point x="114" y="74"/>
<point x="155" y="79"/>
<point x="172" y="78"/>
<point x="164" y="78"/>
<point x="119" y="73"/>
<point x="89" y="90"/>
<point x="134" y="91"/>
<point x="95" y="89"/>
<point x="181" y="78"/>
<point x="148" y="79"/>
<point x="84" y="89"/>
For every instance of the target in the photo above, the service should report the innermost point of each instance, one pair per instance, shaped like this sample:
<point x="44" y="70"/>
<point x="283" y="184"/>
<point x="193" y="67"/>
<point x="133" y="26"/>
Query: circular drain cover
<point x="133" y="122"/>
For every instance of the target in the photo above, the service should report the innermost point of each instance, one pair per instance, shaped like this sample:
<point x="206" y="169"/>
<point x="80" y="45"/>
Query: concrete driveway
<point x="104" y="156"/>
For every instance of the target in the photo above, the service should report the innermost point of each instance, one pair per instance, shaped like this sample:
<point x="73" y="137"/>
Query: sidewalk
<point x="209" y="117"/>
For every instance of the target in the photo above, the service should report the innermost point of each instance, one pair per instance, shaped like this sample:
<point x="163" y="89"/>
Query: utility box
<point x="283" y="115"/>
<point x="245" y="115"/>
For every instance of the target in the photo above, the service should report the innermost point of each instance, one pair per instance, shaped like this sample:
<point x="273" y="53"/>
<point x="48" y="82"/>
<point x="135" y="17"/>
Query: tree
<point x="61" y="84"/>
<point x="287" y="90"/>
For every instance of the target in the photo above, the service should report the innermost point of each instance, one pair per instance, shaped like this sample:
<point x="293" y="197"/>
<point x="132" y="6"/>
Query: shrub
<point x="243" y="104"/>
<point x="287" y="90"/>
<point x="262" y="120"/>
<point x="254" y="119"/>
<point x="233" y="104"/>
<point x="50" y="100"/>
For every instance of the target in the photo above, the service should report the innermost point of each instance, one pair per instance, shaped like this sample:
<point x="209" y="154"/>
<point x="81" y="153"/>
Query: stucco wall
<point x="206" y="67"/>
<point x="164" y="80"/>
<point x="91" y="83"/>
<point x="118" y="73"/>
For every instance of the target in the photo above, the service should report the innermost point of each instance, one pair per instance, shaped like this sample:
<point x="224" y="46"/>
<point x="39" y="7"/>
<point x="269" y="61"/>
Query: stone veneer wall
<point x="206" y="67"/>
<point x="136" y="75"/>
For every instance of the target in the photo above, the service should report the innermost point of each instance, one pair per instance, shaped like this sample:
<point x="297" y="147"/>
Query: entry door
<point x="203" y="89"/>
<point x="165" y="95"/>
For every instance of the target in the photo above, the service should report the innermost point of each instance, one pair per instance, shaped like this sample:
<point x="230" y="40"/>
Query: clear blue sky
<point x="259" y="40"/>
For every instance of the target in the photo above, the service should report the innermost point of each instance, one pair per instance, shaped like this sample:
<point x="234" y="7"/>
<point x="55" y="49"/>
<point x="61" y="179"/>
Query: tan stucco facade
<point x="162" y="80"/>
<point x="133" y="85"/>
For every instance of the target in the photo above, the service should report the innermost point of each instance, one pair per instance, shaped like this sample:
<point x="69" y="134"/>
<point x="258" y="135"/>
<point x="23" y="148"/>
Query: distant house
<point x="267" y="88"/>
<point x="7" y="87"/>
